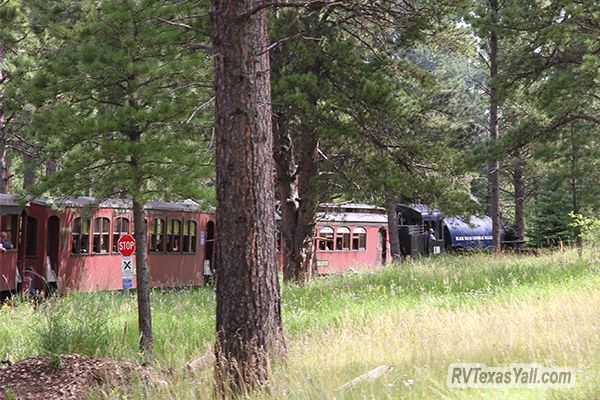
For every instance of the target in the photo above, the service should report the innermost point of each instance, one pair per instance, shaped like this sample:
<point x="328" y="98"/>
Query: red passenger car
<point x="72" y="245"/>
<point x="13" y="218"/>
<point x="351" y="236"/>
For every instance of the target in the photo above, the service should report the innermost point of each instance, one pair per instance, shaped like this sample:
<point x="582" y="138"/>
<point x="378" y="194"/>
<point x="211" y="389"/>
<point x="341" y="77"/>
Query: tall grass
<point x="417" y="317"/>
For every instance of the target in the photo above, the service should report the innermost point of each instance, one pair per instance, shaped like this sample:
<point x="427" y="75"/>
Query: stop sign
<point x="126" y="245"/>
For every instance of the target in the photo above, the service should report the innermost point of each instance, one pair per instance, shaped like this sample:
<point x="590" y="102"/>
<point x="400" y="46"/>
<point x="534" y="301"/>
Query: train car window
<point x="157" y="230"/>
<point x="193" y="235"/>
<point x="278" y="239"/>
<point x="325" y="241"/>
<point x="31" y="243"/>
<point x="101" y="235"/>
<point x="9" y="224"/>
<point x="342" y="238"/>
<point x="120" y="228"/>
<point x="189" y="237"/>
<point x="359" y="239"/>
<point x="80" y="235"/>
<point x="186" y="238"/>
<point x="174" y="236"/>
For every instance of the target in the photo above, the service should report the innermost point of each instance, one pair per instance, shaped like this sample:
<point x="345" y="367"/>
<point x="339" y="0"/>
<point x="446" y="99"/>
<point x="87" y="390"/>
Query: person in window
<point x="4" y="241"/>
<point x="432" y="234"/>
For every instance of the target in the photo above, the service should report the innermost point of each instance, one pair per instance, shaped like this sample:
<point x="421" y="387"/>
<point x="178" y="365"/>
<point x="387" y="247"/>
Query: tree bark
<point x="248" y="325"/>
<point x="494" y="166"/>
<point x="29" y="178"/>
<point x="519" y="185"/>
<point x="142" y="281"/>
<point x="574" y="189"/>
<point x="51" y="167"/>
<point x="296" y="173"/>
<point x="140" y="230"/>
<point x="393" y="228"/>
<point x="4" y="163"/>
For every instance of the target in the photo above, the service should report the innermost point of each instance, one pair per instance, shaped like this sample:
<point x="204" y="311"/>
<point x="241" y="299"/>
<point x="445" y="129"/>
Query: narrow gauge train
<point x="423" y="230"/>
<point x="72" y="245"/>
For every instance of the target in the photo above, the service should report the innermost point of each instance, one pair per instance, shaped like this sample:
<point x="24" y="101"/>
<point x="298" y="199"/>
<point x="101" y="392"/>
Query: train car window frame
<point x="10" y="223"/>
<point x="325" y="240"/>
<point x="173" y="237"/>
<point x="80" y="236"/>
<point x="190" y="232"/>
<point x="278" y="239"/>
<point x="119" y="231"/>
<point x="157" y="236"/>
<point x="342" y="239"/>
<point x="359" y="237"/>
<point x="101" y="236"/>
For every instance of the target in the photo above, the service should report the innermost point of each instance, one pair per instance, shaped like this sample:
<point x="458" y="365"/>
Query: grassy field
<point x="416" y="317"/>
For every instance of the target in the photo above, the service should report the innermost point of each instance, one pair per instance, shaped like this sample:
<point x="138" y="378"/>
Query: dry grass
<point x="417" y="318"/>
<point x="561" y="330"/>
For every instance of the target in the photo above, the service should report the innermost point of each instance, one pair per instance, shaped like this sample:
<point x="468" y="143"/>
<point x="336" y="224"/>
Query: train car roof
<point x="473" y="234"/>
<point x="11" y="204"/>
<point x="350" y="207"/>
<point x="85" y="201"/>
<point x="354" y="218"/>
<point x="424" y="210"/>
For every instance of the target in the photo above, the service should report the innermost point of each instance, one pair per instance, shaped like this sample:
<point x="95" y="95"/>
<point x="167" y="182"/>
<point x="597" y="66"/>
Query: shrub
<point x="74" y="327"/>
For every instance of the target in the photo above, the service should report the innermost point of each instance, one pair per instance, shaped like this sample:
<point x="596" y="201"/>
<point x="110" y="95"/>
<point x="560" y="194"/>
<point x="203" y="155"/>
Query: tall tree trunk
<point x="140" y="230"/>
<point x="393" y="227"/>
<point x="574" y="188"/>
<point x="142" y="281"/>
<point x="494" y="166"/>
<point x="4" y="164"/>
<point x="519" y="185"/>
<point x="5" y="174"/>
<point x="248" y="300"/>
<point x="29" y="166"/>
<point x="296" y="171"/>
<point x="51" y="167"/>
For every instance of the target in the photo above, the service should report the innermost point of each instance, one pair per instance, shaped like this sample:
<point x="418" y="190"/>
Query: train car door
<point x="382" y="246"/>
<point x="209" y="268"/>
<point x="52" y="252"/>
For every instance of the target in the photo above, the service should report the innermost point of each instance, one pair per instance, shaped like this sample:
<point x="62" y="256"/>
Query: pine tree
<point x="114" y="102"/>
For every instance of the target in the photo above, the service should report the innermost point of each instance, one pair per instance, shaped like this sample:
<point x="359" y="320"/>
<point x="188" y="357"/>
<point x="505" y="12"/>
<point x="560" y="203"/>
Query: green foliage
<point x="389" y="120"/>
<point x="589" y="227"/>
<point x="117" y="101"/>
<point x="10" y="394"/>
<point x="73" y="327"/>
<point x="550" y="223"/>
<point x="55" y="362"/>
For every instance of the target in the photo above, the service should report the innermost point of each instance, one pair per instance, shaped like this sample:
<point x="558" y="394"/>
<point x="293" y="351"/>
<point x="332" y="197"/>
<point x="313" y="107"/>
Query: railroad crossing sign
<point x="127" y="267"/>
<point x="126" y="245"/>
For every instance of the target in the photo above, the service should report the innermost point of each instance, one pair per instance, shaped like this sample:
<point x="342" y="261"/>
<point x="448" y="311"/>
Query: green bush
<point x="74" y="327"/>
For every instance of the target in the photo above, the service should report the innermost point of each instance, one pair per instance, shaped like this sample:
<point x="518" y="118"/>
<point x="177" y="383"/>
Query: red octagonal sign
<point x="126" y="245"/>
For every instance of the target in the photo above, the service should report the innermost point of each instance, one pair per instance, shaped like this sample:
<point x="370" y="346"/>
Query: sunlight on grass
<point x="416" y="317"/>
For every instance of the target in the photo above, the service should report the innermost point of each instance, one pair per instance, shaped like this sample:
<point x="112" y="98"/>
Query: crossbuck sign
<point x="126" y="247"/>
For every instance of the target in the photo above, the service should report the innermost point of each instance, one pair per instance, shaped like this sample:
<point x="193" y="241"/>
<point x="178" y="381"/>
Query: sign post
<point x="126" y="247"/>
